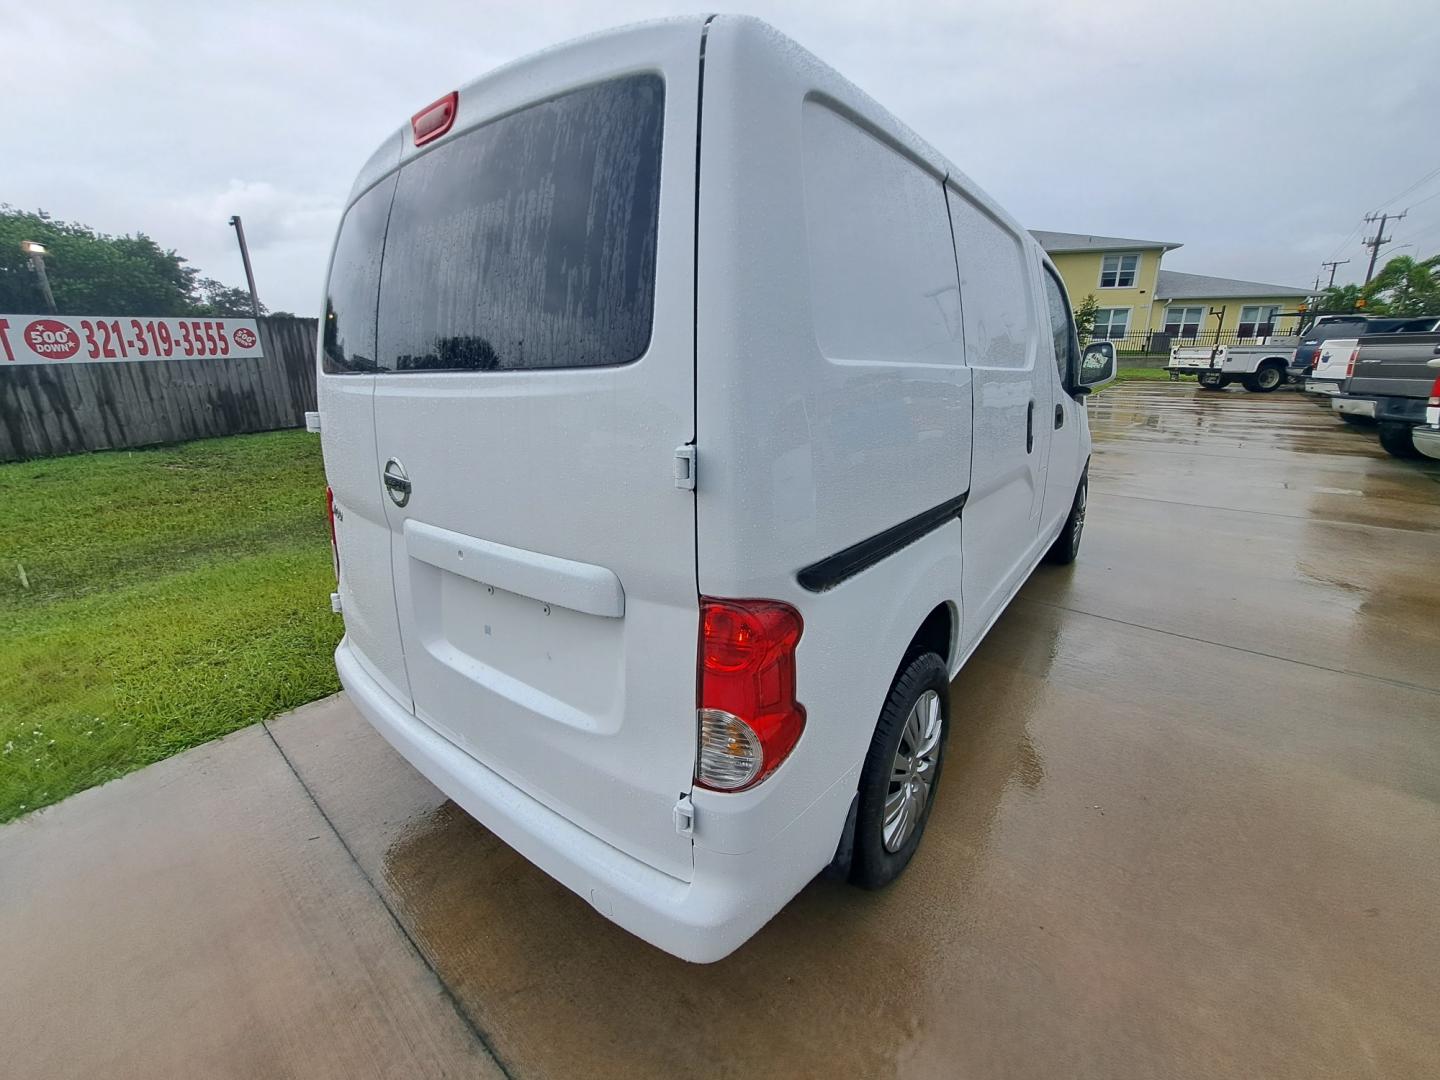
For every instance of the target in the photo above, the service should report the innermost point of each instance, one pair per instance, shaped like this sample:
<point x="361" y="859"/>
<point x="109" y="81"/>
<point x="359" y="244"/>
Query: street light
<point x="36" y="254"/>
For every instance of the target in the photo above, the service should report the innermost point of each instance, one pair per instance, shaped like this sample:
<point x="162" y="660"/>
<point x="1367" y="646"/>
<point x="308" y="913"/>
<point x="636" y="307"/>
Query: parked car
<point x="1332" y="361"/>
<point x="1391" y="379"/>
<point x="1259" y="367"/>
<point x="650" y="430"/>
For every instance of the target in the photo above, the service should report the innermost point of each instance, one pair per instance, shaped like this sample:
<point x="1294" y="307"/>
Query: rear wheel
<point x="1213" y="380"/>
<point x="1356" y="421"/>
<point x="902" y="772"/>
<point x="1268" y="378"/>
<point x="1396" y="440"/>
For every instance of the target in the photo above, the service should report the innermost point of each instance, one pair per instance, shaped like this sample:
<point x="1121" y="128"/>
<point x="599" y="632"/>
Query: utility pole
<point x="1379" y="239"/>
<point x="245" y="258"/>
<point x="1332" y="266"/>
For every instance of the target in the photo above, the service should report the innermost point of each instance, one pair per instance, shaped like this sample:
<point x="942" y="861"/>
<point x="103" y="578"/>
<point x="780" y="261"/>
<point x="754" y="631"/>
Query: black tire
<point x="1067" y="545"/>
<point x="1269" y="377"/>
<point x="1356" y="421"/>
<point x="875" y="865"/>
<point x="1211" y="381"/>
<point x="1396" y="440"/>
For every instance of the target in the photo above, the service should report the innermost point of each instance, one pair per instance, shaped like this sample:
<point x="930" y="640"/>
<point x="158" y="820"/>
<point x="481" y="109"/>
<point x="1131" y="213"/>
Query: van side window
<point x="1062" y="328"/>
<point x="882" y="272"/>
<point x="349" y="342"/>
<point x="994" y="288"/>
<point x="529" y="242"/>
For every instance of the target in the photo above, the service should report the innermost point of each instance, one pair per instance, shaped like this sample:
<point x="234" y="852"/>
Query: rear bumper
<point x="1353" y="406"/>
<point x="1328" y="387"/>
<point x="1426" y="440"/>
<point x="729" y="896"/>
<point x="1403" y="410"/>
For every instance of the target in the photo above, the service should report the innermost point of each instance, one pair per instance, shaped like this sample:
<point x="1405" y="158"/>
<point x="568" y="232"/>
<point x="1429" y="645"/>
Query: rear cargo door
<point x="535" y="340"/>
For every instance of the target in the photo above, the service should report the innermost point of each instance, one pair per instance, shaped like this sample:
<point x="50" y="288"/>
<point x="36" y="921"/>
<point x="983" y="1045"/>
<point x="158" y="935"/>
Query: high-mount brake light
<point x="748" y="717"/>
<point x="435" y="120"/>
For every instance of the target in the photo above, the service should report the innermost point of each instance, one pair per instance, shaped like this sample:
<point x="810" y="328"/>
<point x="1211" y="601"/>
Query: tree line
<point x="94" y="273"/>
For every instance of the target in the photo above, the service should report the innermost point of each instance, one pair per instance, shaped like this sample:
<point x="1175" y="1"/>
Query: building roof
<point x="1172" y="285"/>
<point x="1058" y="242"/>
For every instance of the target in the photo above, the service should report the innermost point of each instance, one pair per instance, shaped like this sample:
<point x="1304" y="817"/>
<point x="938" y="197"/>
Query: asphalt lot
<point x="1189" y="827"/>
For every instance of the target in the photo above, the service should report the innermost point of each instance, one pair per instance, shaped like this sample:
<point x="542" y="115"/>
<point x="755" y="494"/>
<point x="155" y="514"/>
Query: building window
<point x="1111" y="323"/>
<point x="1183" y="321"/>
<point x="1118" y="271"/>
<point x="1257" y="320"/>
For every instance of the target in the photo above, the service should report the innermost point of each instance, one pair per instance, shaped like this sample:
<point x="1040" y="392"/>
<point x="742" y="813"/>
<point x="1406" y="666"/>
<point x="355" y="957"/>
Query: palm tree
<point x="1406" y="286"/>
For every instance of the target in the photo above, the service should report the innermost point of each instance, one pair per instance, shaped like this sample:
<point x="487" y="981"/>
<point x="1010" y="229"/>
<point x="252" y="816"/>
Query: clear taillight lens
<point x="748" y="717"/>
<point x="730" y="756"/>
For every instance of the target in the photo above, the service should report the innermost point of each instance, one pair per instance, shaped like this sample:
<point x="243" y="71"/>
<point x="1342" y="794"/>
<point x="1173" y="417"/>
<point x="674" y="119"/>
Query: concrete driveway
<point x="1190" y="827"/>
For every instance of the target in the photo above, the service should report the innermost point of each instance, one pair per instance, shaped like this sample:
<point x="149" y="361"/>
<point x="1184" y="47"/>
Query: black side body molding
<point x="833" y="569"/>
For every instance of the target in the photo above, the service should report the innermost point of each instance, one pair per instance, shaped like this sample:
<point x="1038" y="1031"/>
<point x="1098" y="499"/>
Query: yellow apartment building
<point x="1138" y="298"/>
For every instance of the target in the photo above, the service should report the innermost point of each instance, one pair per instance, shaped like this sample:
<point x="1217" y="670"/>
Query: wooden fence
<point x="49" y="409"/>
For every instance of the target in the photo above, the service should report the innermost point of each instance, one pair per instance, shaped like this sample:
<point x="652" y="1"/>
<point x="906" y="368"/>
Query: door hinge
<point x="685" y="467"/>
<point x="685" y="816"/>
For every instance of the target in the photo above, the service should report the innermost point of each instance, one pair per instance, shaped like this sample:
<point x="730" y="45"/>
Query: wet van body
<point x="676" y="402"/>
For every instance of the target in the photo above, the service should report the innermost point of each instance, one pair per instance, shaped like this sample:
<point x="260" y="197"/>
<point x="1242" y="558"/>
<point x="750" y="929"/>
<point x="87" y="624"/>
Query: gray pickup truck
<point x="1391" y="381"/>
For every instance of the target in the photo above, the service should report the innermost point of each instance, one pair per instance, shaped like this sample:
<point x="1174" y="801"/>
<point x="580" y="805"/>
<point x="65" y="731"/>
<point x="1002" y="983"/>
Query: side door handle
<point x="1059" y="417"/>
<point x="1029" y="427"/>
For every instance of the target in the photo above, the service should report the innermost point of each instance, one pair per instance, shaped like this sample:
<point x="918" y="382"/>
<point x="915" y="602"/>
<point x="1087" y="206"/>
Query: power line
<point x="1395" y="198"/>
<point x="1348" y="237"/>
<point x="1421" y="202"/>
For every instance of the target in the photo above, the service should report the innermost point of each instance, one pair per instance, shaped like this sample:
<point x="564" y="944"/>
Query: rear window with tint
<point x="1338" y="328"/>
<point x="526" y="243"/>
<point x="529" y="242"/>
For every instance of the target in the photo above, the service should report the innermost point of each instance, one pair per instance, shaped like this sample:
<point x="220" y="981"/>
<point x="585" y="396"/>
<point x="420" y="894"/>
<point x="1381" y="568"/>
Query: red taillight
<point x="1434" y="394"/>
<point x="1350" y="365"/>
<point x="334" y="544"/>
<point x="434" y="120"/>
<point x="749" y="720"/>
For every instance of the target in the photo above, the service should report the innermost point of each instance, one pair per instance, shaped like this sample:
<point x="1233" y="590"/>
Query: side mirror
<point x="1097" y="366"/>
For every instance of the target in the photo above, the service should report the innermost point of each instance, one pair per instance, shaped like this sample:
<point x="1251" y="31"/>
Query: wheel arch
<point x="938" y="633"/>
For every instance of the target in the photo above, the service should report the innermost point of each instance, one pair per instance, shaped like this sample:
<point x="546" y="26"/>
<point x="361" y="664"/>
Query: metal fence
<point x="50" y="409"/>
<point x="1159" y="343"/>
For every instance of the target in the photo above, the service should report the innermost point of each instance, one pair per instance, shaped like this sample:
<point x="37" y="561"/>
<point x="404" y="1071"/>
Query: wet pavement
<point x="1189" y="827"/>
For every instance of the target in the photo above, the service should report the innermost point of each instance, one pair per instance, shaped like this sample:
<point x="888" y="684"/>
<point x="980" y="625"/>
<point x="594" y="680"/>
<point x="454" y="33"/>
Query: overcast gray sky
<point x="1255" y="133"/>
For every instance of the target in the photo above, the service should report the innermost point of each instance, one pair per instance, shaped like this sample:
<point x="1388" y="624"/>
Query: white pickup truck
<point x="1259" y="367"/>
<point x="1332" y="364"/>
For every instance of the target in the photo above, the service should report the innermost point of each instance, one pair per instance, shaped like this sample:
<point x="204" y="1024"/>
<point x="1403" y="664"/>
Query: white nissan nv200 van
<point x="688" y="421"/>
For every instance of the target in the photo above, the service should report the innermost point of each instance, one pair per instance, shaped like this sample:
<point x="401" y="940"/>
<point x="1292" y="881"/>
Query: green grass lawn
<point x="151" y="600"/>
<point x="1147" y="374"/>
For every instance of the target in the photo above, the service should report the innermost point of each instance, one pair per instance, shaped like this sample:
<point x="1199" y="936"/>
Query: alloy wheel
<point x="912" y="773"/>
